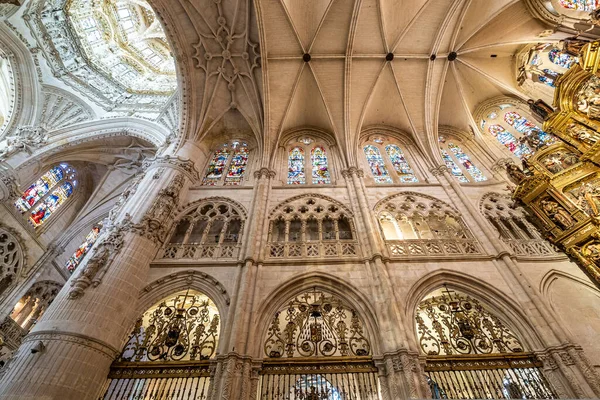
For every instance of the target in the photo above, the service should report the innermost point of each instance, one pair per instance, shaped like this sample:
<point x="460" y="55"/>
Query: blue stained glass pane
<point x="466" y="162"/>
<point x="580" y="5"/>
<point x="51" y="204"/>
<point x="562" y="59"/>
<point x="80" y="253"/>
<point x="549" y="78"/>
<point x="376" y="164"/>
<point x="453" y="167"/>
<point x="506" y="138"/>
<point x="36" y="191"/>
<point x="237" y="167"/>
<point x="522" y="125"/>
<point x="320" y="171"/>
<point x="216" y="168"/>
<point x="296" y="174"/>
<point x="400" y="164"/>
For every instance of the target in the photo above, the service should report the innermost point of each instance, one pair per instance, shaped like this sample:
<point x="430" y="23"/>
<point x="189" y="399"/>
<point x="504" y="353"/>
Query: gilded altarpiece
<point x="562" y="185"/>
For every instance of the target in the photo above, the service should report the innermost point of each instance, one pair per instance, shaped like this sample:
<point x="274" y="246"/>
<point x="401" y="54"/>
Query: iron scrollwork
<point x="183" y="327"/>
<point x="452" y="323"/>
<point x="316" y="324"/>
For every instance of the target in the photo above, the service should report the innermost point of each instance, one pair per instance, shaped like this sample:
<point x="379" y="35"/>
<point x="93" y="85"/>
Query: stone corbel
<point x="182" y="165"/>
<point x="8" y="187"/>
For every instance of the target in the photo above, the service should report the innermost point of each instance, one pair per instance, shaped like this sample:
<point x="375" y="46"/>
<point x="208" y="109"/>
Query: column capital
<point x="346" y="173"/>
<point x="8" y="186"/>
<point x="439" y="170"/>
<point x="183" y="165"/>
<point x="264" y="173"/>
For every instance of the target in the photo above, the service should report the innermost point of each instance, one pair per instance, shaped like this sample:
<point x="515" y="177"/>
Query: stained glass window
<point x="48" y="193"/>
<point x="400" y="164"/>
<point x="454" y="169"/>
<point x="216" y="168"/>
<point x="507" y="139"/>
<point x="58" y="196"/>
<point x="466" y="162"/>
<point x="549" y="78"/>
<point x="80" y="253"/>
<point x="376" y="164"/>
<point x="320" y="171"/>
<point x="36" y="191"/>
<point x="522" y="125"/>
<point x="296" y="175"/>
<point x="239" y="161"/>
<point x="580" y="5"/>
<point x="561" y="58"/>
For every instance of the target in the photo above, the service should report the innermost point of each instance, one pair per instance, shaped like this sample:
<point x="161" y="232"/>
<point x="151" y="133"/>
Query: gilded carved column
<point x="69" y="352"/>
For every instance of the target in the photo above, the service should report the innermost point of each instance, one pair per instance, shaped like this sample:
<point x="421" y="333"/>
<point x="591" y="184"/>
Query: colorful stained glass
<point x="525" y="127"/>
<point x="239" y="161"/>
<point x="506" y="138"/>
<point x="296" y="174"/>
<point x="216" y="168"/>
<point x="375" y="161"/>
<point x="549" y="77"/>
<point x="561" y="58"/>
<point x="466" y="162"/>
<point x="58" y="196"/>
<point x="36" y="191"/>
<point x="400" y="164"/>
<point x="453" y="167"/>
<point x="80" y="253"/>
<point x="320" y="171"/>
<point x="580" y="5"/>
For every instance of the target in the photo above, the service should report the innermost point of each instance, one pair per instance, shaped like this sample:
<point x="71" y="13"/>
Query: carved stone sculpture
<point x="557" y="214"/>
<point x="25" y="139"/>
<point x="515" y="174"/>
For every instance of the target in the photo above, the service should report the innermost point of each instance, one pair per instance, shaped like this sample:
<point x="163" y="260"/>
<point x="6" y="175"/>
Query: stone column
<point x="85" y="327"/>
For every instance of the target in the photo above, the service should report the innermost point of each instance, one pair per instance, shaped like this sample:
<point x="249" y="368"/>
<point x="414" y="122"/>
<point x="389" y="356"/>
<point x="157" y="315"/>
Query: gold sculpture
<point x="562" y="187"/>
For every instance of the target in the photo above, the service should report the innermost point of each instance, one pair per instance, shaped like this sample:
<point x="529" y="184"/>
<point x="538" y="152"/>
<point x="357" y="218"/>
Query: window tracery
<point x="311" y="226"/>
<point x="48" y="193"/>
<point x="83" y="249"/>
<point x="183" y="326"/>
<point x="506" y="123"/>
<point x="34" y="303"/>
<point x="450" y="325"/>
<point x="459" y="157"/>
<point x="308" y="162"/>
<point x="227" y="165"/>
<point x="383" y="156"/>
<point x="513" y="226"/>
<point x="417" y="225"/>
<point x="7" y="92"/>
<point x="316" y="324"/>
<point x="12" y="259"/>
<point x="213" y="229"/>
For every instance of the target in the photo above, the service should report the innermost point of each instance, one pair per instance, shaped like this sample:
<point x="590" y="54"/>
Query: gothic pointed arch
<point x="417" y="225"/>
<point x="311" y="226"/>
<point x="208" y="228"/>
<point x="13" y="260"/>
<point x="461" y="155"/>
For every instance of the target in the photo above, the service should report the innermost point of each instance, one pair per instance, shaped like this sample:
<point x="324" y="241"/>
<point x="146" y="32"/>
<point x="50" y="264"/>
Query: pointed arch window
<point x="400" y="164"/>
<point x="377" y="165"/>
<point x="227" y="165"/>
<point x="47" y="194"/>
<point x="454" y="157"/>
<point x="83" y="249"/>
<point x="580" y="5"/>
<point x="320" y="169"/>
<point x="308" y="162"/>
<point x="471" y="168"/>
<point x="296" y="174"/>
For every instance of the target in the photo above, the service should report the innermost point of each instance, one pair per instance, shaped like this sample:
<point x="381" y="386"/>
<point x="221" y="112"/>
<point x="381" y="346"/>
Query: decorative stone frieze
<point x="27" y="139"/>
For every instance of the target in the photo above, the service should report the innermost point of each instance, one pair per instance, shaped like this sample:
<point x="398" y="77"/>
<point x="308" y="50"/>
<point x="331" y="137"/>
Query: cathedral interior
<point x="299" y="199"/>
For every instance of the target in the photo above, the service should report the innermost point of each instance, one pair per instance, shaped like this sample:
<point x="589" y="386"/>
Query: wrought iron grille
<point x="319" y="379"/>
<point x="150" y="381"/>
<point x="517" y="376"/>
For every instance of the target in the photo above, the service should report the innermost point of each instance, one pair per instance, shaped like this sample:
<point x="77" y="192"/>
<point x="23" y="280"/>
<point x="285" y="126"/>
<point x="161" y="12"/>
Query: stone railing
<point x="532" y="247"/>
<point x="11" y="333"/>
<point x="324" y="249"/>
<point x="433" y="247"/>
<point x="199" y="251"/>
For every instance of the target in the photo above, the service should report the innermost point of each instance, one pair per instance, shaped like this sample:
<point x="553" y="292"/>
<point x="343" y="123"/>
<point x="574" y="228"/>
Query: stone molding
<point x="81" y="340"/>
<point x="184" y="166"/>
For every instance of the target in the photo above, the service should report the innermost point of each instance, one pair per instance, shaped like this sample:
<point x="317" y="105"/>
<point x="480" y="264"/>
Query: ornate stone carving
<point x="91" y="273"/>
<point x="13" y="260"/>
<point x="182" y="165"/>
<point x="26" y="139"/>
